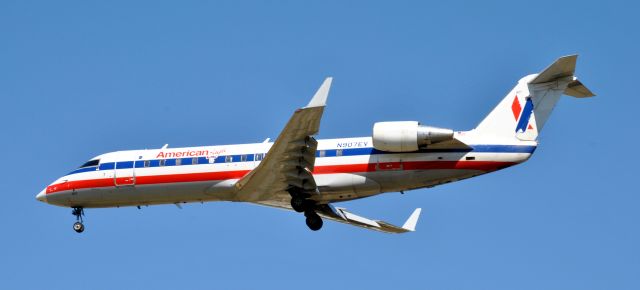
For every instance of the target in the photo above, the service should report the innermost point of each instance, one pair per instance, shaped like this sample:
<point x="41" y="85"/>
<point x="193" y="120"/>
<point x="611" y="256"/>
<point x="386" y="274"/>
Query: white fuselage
<point x="299" y="173"/>
<point x="345" y="169"/>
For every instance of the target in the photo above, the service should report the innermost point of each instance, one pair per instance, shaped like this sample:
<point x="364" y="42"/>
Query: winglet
<point x="410" y="224"/>
<point x="320" y="98"/>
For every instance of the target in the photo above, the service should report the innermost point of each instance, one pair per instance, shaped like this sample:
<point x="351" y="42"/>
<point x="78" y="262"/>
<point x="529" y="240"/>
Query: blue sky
<point x="79" y="78"/>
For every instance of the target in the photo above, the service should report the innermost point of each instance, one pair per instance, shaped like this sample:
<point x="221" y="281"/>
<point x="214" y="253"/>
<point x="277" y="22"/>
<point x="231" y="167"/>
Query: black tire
<point x="78" y="227"/>
<point x="298" y="204"/>
<point x="314" y="221"/>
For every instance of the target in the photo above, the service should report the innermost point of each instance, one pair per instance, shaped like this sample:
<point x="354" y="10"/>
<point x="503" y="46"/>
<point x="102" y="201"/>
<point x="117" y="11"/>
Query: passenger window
<point x="147" y="163"/>
<point x="339" y="152"/>
<point x="194" y="161"/>
<point x="243" y="158"/>
<point x="258" y="157"/>
<point x="228" y="159"/>
<point x="162" y="162"/>
<point x="178" y="162"/>
<point x="212" y="159"/>
<point x="323" y="153"/>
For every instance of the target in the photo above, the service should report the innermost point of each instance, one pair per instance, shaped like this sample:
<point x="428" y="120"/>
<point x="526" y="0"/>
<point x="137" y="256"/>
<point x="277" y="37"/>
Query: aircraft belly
<point x="346" y="186"/>
<point x="221" y="190"/>
<point x="414" y="179"/>
<point x="76" y="197"/>
<point x="136" y="195"/>
<point x="342" y="187"/>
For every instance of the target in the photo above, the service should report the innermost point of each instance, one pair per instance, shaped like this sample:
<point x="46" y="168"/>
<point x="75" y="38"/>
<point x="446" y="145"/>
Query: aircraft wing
<point x="291" y="159"/>
<point x="341" y="215"/>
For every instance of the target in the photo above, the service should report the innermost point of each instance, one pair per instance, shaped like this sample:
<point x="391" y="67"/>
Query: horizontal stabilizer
<point x="578" y="90"/>
<point x="562" y="67"/>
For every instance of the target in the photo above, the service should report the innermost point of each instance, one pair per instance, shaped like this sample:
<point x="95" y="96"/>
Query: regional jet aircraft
<point x="309" y="176"/>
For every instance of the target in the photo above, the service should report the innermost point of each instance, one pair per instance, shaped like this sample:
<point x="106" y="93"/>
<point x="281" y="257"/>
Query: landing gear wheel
<point x="298" y="204"/>
<point x="78" y="227"/>
<point x="314" y="221"/>
<point x="78" y="212"/>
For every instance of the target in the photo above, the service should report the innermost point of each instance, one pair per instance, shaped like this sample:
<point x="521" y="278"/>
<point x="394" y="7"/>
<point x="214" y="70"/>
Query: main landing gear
<point x="301" y="203"/>
<point x="314" y="221"/>
<point x="79" y="213"/>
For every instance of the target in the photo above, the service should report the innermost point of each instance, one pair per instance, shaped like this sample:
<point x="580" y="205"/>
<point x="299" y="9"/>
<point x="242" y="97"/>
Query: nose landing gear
<point x="79" y="213"/>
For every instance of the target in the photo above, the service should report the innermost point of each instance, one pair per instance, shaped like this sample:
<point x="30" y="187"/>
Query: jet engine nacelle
<point x="407" y="136"/>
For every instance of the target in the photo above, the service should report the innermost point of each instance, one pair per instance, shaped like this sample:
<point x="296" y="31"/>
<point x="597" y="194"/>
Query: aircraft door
<point x="124" y="173"/>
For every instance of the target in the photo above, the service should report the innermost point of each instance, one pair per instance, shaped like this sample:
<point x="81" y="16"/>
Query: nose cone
<point x="42" y="196"/>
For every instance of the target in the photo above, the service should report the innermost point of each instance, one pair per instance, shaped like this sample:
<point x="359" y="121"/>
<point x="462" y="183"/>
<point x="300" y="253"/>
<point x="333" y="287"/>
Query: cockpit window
<point x="90" y="163"/>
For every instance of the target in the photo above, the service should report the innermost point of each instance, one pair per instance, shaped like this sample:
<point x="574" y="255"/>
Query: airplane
<point x="299" y="173"/>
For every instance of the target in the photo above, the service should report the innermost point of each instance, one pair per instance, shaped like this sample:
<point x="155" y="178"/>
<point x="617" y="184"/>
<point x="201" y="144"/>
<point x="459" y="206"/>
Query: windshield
<point x="90" y="163"/>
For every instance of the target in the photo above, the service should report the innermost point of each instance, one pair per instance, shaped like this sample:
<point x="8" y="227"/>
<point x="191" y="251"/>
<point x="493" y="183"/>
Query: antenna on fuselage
<point x="165" y="146"/>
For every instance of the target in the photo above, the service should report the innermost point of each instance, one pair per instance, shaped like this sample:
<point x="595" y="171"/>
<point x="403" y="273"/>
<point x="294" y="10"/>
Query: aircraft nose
<point x="42" y="196"/>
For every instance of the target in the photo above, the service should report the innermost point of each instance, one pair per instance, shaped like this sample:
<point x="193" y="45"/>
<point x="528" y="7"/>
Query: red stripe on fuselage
<point x="327" y="169"/>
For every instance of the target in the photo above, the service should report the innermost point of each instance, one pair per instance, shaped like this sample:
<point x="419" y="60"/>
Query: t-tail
<point x="524" y="111"/>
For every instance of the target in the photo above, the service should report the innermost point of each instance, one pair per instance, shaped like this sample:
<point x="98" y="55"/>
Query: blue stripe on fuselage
<point x="474" y="148"/>
<point x="325" y="153"/>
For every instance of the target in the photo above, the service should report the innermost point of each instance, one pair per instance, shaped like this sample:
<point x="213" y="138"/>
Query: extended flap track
<point x="299" y="164"/>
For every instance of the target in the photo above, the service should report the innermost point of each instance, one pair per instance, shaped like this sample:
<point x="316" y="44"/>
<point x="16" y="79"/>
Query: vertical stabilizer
<point x="525" y="110"/>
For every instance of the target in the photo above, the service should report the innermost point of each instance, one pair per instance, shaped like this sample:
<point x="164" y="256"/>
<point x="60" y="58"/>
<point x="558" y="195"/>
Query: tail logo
<point x="522" y="116"/>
